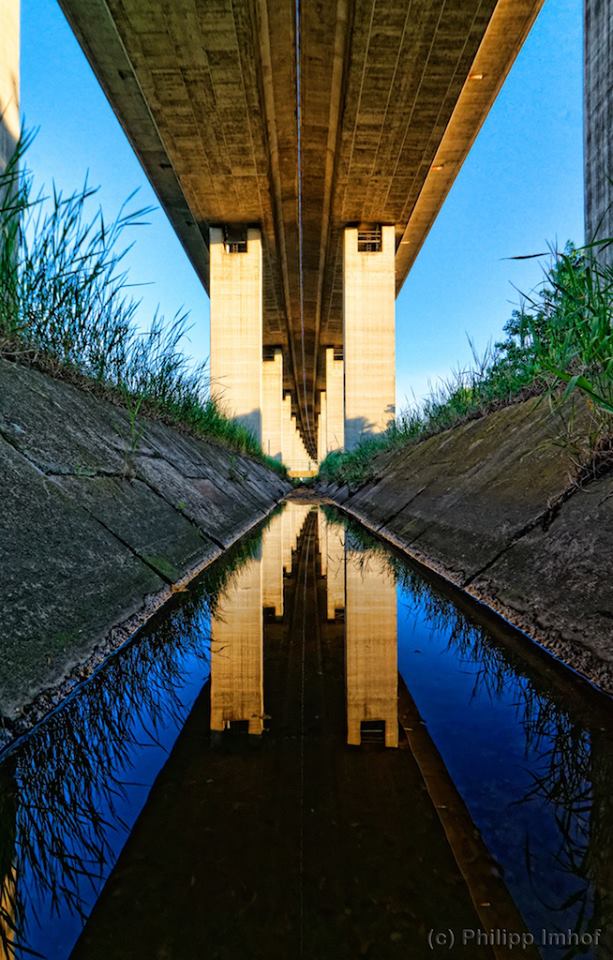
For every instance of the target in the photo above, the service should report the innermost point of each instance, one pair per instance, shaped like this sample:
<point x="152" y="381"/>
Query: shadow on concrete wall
<point x="9" y="123"/>
<point x="359" y="428"/>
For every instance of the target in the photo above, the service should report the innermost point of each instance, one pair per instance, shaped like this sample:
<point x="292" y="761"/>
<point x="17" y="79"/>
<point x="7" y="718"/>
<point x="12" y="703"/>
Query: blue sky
<point x="521" y="187"/>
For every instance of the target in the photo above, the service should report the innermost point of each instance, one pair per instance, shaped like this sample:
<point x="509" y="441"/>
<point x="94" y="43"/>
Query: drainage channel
<point x="316" y="751"/>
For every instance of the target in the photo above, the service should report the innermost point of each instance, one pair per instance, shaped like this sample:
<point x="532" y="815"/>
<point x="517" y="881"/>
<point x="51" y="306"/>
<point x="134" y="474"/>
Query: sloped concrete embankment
<point x="98" y="524"/>
<point x="493" y="506"/>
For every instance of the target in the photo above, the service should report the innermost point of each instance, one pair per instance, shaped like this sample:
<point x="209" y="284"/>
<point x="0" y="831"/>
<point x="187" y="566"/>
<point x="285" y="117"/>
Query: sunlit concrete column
<point x="322" y="428"/>
<point x="335" y="402"/>
<point x="9" y="79"/>
<point x="295" y="456"/>
<point x="368" y="332"/>
<point x="286" y="419"/>
<point x="335" y="569"/>
<point x="290" y="435"/>
<point x="371" y="646"/>
<point x="301" y="462"/>
<point x="272" y="565"/>
<point x="272" y="401"/>
<point x="598" y="125"/>
<point x="237" y="688"/>
<point x="236" y="327"/>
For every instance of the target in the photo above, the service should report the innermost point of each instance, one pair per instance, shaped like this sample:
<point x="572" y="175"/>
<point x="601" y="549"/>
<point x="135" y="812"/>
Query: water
<point x="318" y="751"/>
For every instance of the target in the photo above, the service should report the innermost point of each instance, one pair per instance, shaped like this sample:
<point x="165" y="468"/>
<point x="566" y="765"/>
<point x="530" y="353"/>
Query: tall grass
<point x="66" y="306"/>
<point x="558" y="343"/>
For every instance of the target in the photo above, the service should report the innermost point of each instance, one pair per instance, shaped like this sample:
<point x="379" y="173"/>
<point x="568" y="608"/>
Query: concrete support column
<point x="335" y="402"/>
<point x="9" y="79"/>
<point x="237" y="636"/>
<point x="598" y="122"/>
<point x="369" y="296"/>
<point x="272" y="402"/>
<point x="236" y="328"/>
<point x="371" y="660"/>
<point x="288" y="431"/>
<point x="301" y="460"/>
<point x="295" y="456"/>
<point x="322" y="428"/>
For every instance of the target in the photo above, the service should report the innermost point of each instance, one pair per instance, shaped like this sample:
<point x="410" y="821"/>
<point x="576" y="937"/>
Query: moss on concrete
<point x="92" y="530"/>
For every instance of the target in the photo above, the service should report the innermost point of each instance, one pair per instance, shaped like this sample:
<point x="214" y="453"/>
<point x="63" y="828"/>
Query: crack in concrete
<point x="543" y="520"/>
<point x="199" y="530"/>
<point x="403" y="507"/>
<point x="128" y="546"/>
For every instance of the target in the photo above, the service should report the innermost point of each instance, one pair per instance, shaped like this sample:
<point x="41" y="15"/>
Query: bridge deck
<point x="242" y="112"/>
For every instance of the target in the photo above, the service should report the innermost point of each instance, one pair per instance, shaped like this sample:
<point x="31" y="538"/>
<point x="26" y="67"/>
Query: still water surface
<point x="317" y="752"/>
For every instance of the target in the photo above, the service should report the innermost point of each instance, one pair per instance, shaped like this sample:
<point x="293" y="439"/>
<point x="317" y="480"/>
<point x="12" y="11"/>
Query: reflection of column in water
<point x="294" y="516"/>
<point x="7" y="915"/>
<point x="286" y="539"/>
<point x="371" y="649"/>
<point x="237" y="694"/>
<point x="8" y="877"/>
<point x="335" y="566"/>
<point x="272" y="565"/>
<point x="322" y="536"/>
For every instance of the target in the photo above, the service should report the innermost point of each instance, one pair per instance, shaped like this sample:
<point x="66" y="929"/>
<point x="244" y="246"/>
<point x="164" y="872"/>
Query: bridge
<point x="302" y="151"/>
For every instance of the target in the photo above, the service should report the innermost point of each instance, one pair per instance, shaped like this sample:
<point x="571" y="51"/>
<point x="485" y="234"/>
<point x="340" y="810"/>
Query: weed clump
<point x="558" y="344"/>
<point x="66" y="307"/>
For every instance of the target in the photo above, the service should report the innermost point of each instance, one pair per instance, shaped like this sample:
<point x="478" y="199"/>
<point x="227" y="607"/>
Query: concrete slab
<point x="65" y="581"/>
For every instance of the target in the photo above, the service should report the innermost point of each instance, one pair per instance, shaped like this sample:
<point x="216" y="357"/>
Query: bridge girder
<point x="301" y="120"/>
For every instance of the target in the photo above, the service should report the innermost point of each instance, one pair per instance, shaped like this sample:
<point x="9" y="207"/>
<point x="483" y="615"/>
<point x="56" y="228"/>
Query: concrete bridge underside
<point x="299" y="120"/>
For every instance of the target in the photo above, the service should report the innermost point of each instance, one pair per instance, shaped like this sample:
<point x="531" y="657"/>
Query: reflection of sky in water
<point x="116" y="792"/>
<point x="521" y="751"/>
<point x="520" y="760"/>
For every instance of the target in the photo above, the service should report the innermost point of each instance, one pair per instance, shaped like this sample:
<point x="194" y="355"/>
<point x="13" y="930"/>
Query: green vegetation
<point x="558" y="344"/>
<point x="67" y="308"/>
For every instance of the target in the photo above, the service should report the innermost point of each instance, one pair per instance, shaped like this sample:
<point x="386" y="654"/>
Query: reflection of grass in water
<point x="60" y="791"/>
<point x="560" y="747"/>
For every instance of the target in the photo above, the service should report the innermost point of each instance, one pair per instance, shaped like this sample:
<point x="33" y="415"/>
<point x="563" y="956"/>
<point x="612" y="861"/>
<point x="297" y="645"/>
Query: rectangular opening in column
<point x="370" y="240"/>
<point x="235" y="239"/>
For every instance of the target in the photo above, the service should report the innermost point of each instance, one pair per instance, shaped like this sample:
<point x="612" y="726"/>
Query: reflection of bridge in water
<point x="287" y="837"/>
<point x="279" y="823"/>
<point x="362" y="582"/>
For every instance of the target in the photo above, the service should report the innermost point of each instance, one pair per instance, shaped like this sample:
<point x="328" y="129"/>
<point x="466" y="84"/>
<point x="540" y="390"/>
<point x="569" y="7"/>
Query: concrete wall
<point x="598" y="121"/>
<point x="9" y="78"/>
<point x="493" y="506"/>
<point x="94" y="533"/>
